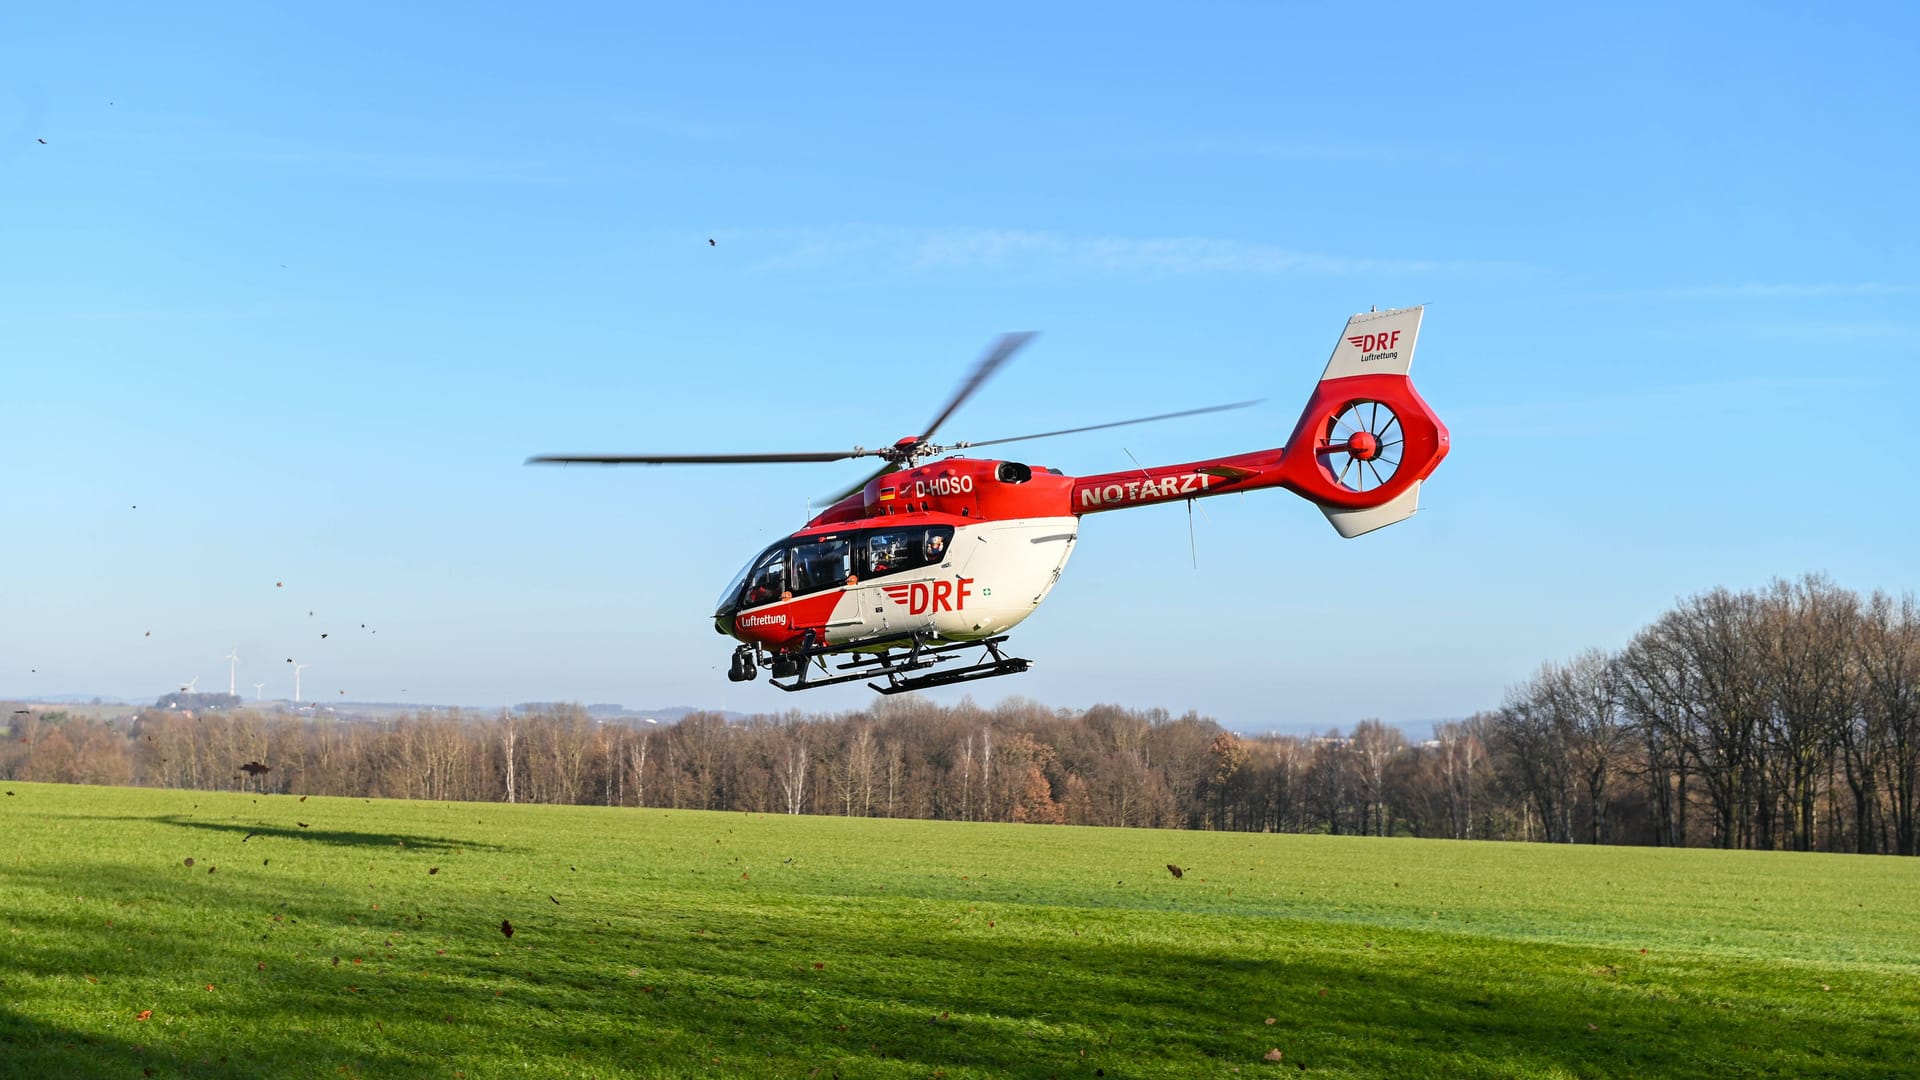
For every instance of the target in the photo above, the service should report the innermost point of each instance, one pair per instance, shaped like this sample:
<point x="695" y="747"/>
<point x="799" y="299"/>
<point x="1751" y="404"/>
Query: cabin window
<point x="821" y="563"/>
<point x="891" y="551"/>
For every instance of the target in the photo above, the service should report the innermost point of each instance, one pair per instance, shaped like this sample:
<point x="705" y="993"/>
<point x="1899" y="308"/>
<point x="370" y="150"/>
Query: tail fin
<point x="1366" y="441"/>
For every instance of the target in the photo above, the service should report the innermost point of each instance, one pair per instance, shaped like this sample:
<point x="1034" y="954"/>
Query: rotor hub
<point x="1363" y="445"/>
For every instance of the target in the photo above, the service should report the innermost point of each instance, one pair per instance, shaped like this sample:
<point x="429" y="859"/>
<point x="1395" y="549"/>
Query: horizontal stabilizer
<point x="1352" y="523"/>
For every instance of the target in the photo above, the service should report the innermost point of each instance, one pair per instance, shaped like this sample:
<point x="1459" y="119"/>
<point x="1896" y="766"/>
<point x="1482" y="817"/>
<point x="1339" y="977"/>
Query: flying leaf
<point x="1176" y="871"/>
<point x="189" y="861"/>
<point x="1274" y="1054"/>
<point x="145" y="1014"/>
<point x="506" y="927"/>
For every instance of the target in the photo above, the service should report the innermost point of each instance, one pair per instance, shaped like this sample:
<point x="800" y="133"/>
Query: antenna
<point x="1193" y="549"/>
<point x="233" y="669"/>
<point x="257" y="687"/>
<point x="297" y="669"/>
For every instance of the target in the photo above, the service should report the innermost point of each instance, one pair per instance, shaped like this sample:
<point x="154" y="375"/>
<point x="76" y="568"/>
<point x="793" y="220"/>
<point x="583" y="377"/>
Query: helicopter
<point x="932" y="555"/>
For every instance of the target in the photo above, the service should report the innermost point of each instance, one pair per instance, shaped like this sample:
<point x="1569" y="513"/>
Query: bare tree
<point x="1594" y="729"/>
<point x="1372" y="746"/>
<point x="1807" y="631"/>
<point x="1889" y="742"/>
<point x="790" y="769"/>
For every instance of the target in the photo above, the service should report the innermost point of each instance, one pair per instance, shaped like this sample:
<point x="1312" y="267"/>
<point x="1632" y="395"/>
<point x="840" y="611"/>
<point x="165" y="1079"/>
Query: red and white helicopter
<point x="927" y="557"/>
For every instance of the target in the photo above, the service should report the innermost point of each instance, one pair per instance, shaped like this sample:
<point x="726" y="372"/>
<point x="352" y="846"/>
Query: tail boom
<point x="1364" y="444"/>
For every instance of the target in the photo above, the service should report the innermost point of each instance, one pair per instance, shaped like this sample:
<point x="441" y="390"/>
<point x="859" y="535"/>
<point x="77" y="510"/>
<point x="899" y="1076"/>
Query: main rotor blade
<point x="1002" y="350"/>
<point x="1116" y="423"/>
<point x="864" y="481"/>
<point x="690" y="459"/>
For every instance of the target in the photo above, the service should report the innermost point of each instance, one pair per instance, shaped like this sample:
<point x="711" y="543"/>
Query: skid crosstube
<point x="904" y="653"/>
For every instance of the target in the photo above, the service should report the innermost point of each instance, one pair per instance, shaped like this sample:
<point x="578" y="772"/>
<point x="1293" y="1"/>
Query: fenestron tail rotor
<point x="1364" y="445"/>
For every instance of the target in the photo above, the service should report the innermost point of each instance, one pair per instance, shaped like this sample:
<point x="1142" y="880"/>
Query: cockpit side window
<point x="767" y="581"/>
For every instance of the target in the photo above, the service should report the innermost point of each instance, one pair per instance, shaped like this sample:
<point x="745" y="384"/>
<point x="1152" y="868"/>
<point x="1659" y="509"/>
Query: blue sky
<point x="305" y="287"/>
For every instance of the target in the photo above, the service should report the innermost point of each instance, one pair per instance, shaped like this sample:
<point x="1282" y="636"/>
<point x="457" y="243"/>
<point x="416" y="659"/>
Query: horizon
<point x="669" y="715"/>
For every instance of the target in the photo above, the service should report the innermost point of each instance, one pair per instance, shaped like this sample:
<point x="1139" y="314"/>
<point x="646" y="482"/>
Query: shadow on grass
<point x="30" y="1047"/>
<point x="765" y="987"/>
<point x="341" y="837"/>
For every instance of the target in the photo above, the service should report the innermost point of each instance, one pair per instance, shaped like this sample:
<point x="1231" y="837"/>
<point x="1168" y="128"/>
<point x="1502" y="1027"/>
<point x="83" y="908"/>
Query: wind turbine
<point x="233" y="669"/>
<point x="191" y="683"/>
<point x="297" y="669"/>
<point x="257" y="687"/>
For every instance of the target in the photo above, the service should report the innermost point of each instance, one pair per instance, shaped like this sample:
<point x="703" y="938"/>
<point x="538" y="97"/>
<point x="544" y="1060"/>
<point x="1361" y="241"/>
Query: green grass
<point x="675" y="943"/>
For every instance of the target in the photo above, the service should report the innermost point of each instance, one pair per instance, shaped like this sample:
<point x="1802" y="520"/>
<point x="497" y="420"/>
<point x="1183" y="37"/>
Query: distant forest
<point x="1783" y="718"/>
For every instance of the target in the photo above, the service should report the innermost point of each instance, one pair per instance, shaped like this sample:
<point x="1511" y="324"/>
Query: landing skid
<point x="904" y="655"/>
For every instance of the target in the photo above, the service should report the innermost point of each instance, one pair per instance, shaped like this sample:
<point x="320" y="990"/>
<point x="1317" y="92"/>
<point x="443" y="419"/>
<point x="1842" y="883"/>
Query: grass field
<point x="368" y="942"/>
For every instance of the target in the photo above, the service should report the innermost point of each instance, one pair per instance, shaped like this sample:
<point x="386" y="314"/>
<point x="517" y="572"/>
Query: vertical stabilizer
<point x="1376" y="343"/>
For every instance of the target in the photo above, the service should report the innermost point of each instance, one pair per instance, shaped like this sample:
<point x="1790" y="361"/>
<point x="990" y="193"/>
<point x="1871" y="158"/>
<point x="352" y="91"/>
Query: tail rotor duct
<point x="1363" y="445"/>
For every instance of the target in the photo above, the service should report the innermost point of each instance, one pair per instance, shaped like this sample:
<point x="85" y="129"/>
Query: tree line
<point x="1787" y="717"/>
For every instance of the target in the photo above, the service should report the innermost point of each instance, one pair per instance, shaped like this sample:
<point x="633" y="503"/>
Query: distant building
<point x="208" y="702"/>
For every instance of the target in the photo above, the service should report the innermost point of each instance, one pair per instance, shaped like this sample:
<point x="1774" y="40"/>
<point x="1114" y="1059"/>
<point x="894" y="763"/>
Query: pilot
<point x="936" y="548"/>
